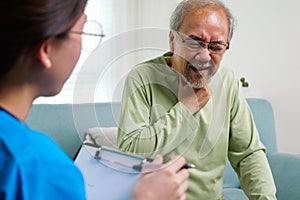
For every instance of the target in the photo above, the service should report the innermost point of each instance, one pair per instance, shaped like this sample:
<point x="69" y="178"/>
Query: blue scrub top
<point x="33" y="167"/>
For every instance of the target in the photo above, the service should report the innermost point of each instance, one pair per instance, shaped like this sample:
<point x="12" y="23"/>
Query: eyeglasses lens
<point x="90" y="36"/>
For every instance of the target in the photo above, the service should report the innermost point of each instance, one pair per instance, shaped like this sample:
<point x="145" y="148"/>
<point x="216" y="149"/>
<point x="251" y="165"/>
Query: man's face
<point x="199" y="45"/>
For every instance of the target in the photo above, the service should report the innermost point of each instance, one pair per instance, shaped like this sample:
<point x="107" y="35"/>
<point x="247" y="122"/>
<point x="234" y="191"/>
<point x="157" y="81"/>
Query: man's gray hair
<point x="187" y="5"/>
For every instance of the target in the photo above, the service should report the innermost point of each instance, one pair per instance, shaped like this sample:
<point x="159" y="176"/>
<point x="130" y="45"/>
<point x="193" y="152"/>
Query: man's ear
<point x="171" y="41"/>
<point x="44" y="54"/>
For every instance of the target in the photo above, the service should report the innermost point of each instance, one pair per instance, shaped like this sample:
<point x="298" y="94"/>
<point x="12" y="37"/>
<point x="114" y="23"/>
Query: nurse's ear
<point x="44" y="55"/>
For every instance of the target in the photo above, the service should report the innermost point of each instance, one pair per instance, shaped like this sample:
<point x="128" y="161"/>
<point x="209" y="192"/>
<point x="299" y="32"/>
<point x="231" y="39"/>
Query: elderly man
<point x="184" y="103"/>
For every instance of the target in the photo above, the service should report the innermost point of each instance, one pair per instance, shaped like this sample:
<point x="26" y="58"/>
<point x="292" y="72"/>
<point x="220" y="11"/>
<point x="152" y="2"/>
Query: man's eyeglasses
<point x="92" y="35"/>
<point x="196" y="44"/>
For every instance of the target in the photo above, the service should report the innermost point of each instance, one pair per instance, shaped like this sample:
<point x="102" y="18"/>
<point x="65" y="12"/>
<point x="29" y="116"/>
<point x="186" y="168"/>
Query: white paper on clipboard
<point x="108" y="173"/>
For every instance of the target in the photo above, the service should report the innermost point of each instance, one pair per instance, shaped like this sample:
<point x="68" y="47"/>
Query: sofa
<point x="71" y="124"/>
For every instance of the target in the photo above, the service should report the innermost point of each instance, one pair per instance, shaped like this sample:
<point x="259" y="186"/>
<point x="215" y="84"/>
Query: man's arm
<point x="247" y="154"/>
<point x="256" y="177"/>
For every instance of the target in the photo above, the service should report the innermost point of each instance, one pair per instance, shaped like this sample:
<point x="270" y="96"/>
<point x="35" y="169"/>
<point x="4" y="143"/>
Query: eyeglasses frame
<point x="203" y="44"/>
<point x="101" y="35"/>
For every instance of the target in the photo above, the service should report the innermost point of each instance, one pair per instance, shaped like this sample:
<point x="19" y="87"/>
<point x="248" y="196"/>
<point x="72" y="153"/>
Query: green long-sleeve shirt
<point x="153" y="121"/>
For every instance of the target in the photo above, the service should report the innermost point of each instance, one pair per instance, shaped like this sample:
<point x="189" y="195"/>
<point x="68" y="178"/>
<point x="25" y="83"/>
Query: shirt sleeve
<point x="247" y="154"/>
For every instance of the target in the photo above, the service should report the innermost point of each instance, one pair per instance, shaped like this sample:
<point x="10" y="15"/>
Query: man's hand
<point x="193" y="99"/>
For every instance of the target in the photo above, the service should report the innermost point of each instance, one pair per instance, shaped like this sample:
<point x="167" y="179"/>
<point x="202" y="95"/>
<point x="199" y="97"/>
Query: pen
<point x="188" y="166"/>
<point x="148" y="167"/>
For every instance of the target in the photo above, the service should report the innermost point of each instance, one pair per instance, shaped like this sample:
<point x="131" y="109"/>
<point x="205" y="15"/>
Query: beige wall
<point x="266" y="50"/>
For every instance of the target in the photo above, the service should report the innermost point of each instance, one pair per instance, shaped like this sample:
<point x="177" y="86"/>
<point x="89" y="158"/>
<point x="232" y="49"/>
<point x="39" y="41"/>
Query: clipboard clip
<point x="97" y="154"/>
<point x="137" y="166"/>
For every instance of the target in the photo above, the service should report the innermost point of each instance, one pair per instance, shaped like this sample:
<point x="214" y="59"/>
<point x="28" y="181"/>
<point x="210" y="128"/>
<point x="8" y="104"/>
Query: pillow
<point x="102" y="136"/>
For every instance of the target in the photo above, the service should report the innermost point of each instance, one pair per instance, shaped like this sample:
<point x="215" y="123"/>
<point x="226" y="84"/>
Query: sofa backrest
<point x="67" y="124"/>
<point x="264" y="119"/>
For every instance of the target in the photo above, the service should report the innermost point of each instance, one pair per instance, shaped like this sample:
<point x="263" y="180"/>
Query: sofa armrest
<point x="286" y="173"/>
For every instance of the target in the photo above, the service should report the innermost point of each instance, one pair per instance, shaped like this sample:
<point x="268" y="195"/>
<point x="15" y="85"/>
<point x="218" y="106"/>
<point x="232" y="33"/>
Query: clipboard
<point x="108" y="173"/>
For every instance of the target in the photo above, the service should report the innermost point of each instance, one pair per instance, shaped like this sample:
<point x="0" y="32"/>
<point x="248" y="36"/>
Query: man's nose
<point x="203" y="55"/>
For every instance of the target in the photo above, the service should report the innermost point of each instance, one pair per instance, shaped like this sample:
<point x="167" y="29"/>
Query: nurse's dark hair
<point x="26" y="24"/>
